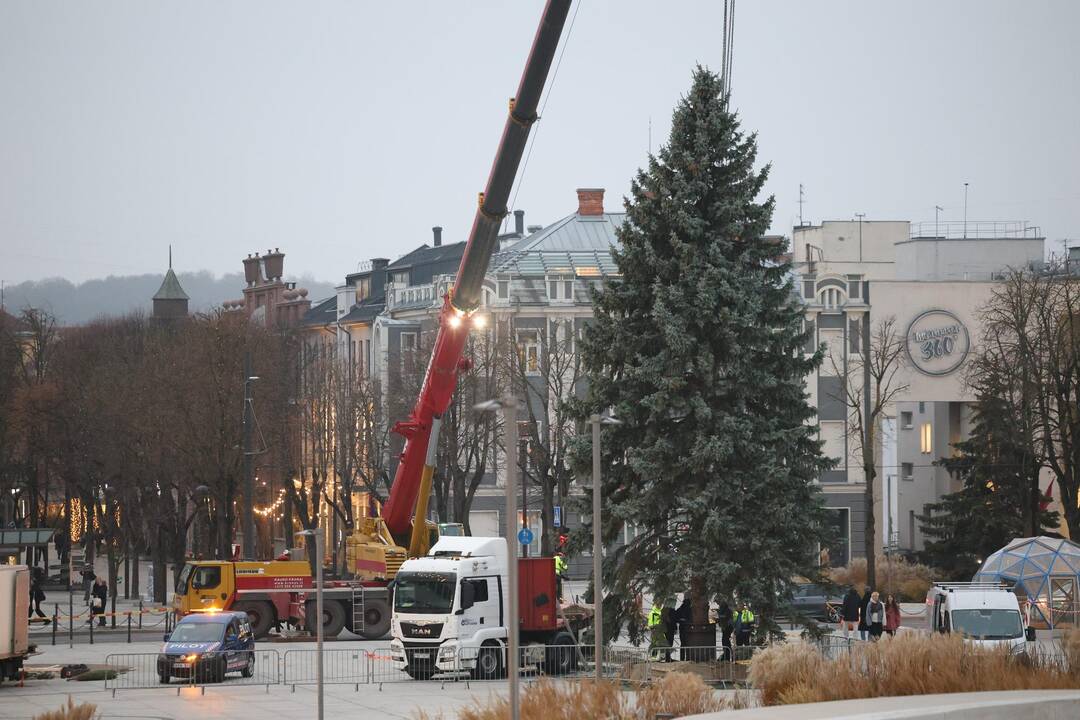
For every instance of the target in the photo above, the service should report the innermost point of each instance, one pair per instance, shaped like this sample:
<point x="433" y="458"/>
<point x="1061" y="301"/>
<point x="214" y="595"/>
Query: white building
<point x="933" y="279"/>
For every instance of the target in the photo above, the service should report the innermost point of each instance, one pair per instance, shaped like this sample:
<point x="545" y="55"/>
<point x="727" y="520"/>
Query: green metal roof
<point x="577" y="244"/>
<point x="170" y="288"/>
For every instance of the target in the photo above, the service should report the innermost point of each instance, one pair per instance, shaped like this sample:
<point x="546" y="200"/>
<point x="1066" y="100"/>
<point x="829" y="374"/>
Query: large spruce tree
<point x="699" y="349"/>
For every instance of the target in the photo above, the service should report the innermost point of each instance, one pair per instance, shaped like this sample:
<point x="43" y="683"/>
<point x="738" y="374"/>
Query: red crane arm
<point x="446" y="357"/>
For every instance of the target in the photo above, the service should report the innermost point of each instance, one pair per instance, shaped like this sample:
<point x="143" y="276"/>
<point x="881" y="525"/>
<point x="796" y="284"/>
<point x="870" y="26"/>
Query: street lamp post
<point x="248" y="518"/>
<point x="598" y="544"/>
<point x="317" y="534"/>
<point x="509" y="410"/>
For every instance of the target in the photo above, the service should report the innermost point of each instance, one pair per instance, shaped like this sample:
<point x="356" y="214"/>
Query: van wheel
<point x="333" y="619"/>
<point x="560" y="657"/>
<point x="376" y="620"/>
<point x="489" y="662"/>
<point x="260" y="614"/>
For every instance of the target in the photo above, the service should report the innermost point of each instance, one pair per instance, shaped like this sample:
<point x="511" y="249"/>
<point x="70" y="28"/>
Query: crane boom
<point x="408" y="496"/>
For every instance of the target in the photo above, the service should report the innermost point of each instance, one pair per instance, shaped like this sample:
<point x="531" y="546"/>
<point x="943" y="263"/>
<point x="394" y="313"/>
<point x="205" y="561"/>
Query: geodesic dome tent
<point x="1044" y="571"/>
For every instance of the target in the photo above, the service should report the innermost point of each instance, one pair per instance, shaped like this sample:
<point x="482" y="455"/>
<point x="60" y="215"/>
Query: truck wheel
<point x="260" y="614"/>
<point x="376" y="620"/>
<point x="561" y="656"/>
<point x="333" y="619"/>
<point x="489" y="663"/>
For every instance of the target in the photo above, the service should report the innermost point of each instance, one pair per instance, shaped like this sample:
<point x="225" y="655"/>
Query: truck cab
<point x="986" y="614"/>
<point x="266" y="591"/>
<point x="451" y="611"/>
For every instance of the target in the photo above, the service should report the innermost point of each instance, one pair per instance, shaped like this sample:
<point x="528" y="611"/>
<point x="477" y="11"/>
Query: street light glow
<point x="479" y="321"/>
<point x="454" y="321"/>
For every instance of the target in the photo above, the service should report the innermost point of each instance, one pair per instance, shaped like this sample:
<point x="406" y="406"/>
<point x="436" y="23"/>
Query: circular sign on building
<point x="937" y="342"/>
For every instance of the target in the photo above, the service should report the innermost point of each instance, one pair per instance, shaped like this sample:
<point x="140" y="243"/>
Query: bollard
<point x="71" y="622"/>
<point x="55" y="620"/>
<point x="129" y="626"/>
<point x="140" y="614"/>
<point x="91" y="628"/>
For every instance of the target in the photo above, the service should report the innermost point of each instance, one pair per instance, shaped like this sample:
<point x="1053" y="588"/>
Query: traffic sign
<point x="558" y="516"/>
<point x="525" y="536"/>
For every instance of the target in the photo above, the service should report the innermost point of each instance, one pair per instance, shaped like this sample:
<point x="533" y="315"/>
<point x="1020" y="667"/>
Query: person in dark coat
<point x="99" y="594"/>
<point x="682" y="618"/>
<point x="849" y="611"/>
<point x="37" y="595"/>
<point x="724" y="620"/>
<point x="864" y="626"/>
<point x="667" y="621"/>
<point x="88" y="576"/>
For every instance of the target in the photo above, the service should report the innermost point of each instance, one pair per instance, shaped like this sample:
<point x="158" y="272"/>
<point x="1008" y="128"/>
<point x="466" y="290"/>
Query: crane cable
<point x="540" y="115"/>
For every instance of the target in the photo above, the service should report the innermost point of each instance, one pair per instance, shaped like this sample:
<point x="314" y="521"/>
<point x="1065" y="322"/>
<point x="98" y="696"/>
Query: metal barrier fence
<point x="378" y="666"/>
<point x="138" y="671"/>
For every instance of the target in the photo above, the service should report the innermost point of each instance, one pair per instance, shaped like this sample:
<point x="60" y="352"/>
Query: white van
<point x="984" y="613"/>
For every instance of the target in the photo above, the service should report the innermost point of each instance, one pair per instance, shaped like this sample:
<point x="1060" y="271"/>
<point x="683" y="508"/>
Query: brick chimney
<point x="590" y="201"/>
<point x="436" y="235"/>
<point x="519" y="222"/>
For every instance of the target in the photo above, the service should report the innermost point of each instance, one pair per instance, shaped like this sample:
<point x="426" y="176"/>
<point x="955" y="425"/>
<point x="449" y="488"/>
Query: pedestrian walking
<point x="88" y="576"/>
<point x="744" y="621"/>
<point x="875" y="616"/>
<point x="37" y="595"/>
<point x="99" y="595"/>
<point x="849" y="612"/>
<point x="864" y="627"/>
<point x="892" y="615"/>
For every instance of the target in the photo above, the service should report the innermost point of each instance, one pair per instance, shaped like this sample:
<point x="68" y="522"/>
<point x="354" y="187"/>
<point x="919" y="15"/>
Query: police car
<point x="205" y="646"/>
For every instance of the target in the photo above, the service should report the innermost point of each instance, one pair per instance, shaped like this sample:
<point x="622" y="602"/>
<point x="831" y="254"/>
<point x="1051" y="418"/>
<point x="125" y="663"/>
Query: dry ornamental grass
<point x="677" y="694"/>
<point x="908" y="664"/>
<point x="71" y="711"/>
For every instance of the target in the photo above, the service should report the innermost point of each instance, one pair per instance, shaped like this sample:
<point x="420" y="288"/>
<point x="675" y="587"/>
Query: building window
<point x="400" y="278"/>
<point x="907" y="471"/>
<point x="832" y="298"/>
<point x="568" y="289"/>
<point x="529" y="351"/>
<point x="922" y="407"/>
<point x="504" y="289"/>
<point x="363" y="289"/>
<point x="905" y="419"/>
<point x="926" y="438"/>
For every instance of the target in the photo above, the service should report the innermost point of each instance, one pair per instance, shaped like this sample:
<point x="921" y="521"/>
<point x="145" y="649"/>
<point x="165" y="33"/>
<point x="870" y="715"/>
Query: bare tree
<point x="545" y="371"/>
<point x="1032" y="335"/>
<point x="869" y="384"/>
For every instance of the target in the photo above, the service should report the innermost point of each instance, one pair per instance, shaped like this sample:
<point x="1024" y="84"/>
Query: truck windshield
<point x="197" y="632"/>
<point x="987" y="624"/>
<point x="424" y="592"/>
<point x="182" y="580"/>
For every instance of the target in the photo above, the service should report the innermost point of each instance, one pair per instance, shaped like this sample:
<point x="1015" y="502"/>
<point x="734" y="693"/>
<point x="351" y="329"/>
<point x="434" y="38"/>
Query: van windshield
<point x="987" y="624"/>
<point x="197" y="632"/>
<point x="424" y="592"/>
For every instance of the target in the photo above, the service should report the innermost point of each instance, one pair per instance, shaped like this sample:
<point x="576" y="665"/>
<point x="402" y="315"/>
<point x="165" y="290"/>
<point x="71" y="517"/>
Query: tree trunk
<point x="870" y="531"/>
<point x="699" y="601"/>
<point x="547" y="519"/>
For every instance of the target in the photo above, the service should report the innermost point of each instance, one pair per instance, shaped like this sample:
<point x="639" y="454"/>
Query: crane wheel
<point x="260" y="614"/>
<point x="333" y="619"/>
<point x="376" y="620"/>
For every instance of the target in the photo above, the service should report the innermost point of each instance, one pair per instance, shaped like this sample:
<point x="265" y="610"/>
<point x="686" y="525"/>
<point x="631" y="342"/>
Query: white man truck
<point x="451" y="612"/>
<point x="983" y="613"/>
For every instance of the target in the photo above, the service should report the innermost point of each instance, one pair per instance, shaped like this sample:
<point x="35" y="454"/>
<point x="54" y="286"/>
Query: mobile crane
<point x="281" y="591"/>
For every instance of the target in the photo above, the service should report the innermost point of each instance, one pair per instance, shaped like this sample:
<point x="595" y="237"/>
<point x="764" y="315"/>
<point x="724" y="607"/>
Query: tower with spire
<point x="170" y="301"/>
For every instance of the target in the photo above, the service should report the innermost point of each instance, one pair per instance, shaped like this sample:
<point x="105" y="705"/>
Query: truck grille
<point x="412" y="630"/>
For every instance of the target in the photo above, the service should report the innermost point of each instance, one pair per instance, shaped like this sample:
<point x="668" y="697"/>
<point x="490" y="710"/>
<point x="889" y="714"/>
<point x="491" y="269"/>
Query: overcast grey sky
<point x="341" y="131"/>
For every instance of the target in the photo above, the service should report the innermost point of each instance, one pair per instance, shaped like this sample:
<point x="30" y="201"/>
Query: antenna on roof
<point x="170" y="256"/>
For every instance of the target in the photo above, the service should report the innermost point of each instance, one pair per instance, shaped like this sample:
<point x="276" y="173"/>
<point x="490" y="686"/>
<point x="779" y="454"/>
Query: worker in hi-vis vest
<point x="560" y="572"/>
<point x="658" y="621"/>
